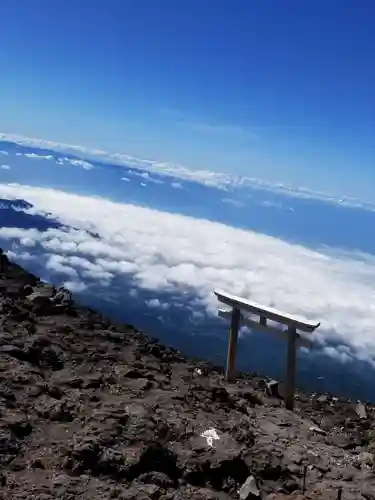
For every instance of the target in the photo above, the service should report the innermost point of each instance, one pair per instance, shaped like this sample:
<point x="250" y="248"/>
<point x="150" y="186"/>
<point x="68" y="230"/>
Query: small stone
<point x="361" y="411"/>
<point x="27" y="290"/>
<point x="63" y="296"/>
<point x="73" y="381"/>
<point x="371" y="446"/>
<point x="93" y="381"/>
<point x="12" y="350"/>
<point x="8" y="395"/>
<point x="295" y="469"/>
<point x="39" y="297"/>
<point x="219" y="394"/>
<point x="61" y="412"/>
<point x="273" y="389"/>
<point x="249" y="489"/>
<point x="290" y="485"/>
<point x="365" y="459"/>
<point x="317" y="430"/>
<point x="37" y="464"/>
<point x="348" y="473"/>
<point x="20" y="426"/>
<point x="116" y="337"/>
<point x="252" y="397"/>
<point x="17" y="465"/>
<point x="131" y="373"/>
<point x="59" y="479"/>
<point x="158" y="478"/>
<point x="341" y="440"/>
<point x="368" y="493"/>
<point x="54" y="391"/>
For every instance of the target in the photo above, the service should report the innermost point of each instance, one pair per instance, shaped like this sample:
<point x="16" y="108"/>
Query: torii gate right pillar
<point x="291" y="368"/>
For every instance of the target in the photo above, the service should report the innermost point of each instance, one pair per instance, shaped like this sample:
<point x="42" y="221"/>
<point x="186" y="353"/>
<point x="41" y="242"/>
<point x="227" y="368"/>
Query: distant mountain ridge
<point x="16" y="204"/>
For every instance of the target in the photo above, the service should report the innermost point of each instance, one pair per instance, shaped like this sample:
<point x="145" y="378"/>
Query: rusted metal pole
<point x="232" y="346"/>
<point x="291" y="368"/>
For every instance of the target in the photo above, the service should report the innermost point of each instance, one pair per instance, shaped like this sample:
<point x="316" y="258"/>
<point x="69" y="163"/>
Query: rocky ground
<point x="93" y="410"/>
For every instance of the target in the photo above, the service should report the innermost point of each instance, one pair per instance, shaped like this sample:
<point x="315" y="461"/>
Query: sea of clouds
<point x="163" y="252"/>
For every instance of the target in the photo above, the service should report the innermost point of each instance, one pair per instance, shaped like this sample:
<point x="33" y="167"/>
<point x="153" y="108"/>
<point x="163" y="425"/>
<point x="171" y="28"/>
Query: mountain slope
<point x="94" y="410"/>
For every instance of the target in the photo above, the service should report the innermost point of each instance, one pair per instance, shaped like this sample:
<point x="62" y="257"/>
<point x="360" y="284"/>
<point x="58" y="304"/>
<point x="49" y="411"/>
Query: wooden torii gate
<point x="262" y="315"/>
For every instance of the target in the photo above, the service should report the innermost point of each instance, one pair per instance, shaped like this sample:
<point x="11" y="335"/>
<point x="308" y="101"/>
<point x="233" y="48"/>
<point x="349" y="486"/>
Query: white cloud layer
<point x="36" y="156"/>
<point x="146" y="176"/>
<point x="156" y="304"/>
<point x="79" y="163"/>
<point x="224" y="181"/>
<point x="61" y="161"/>
<point x="169" y="252"/>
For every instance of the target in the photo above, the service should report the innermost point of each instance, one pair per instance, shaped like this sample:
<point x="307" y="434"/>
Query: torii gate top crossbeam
<point x="266" y="312"/>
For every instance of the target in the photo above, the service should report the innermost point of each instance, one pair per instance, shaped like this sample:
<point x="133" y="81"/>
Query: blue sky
<point x="282" y="90"/>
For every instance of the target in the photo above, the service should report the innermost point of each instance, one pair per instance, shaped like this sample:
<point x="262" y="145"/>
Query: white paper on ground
<point x="210" y="435"/>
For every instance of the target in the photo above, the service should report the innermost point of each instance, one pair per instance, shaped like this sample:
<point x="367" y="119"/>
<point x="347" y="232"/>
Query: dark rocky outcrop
<point x="94" y="410"/>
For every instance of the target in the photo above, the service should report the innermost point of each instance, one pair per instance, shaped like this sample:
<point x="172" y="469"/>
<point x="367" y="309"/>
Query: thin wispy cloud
<point x="252" y="132"/>
<point x="165" y="252"/>
<point x="206" y="127"/>
<point x="234" y="203"/>
<point x="5" y="167"/>
<point x="219" y="130"/>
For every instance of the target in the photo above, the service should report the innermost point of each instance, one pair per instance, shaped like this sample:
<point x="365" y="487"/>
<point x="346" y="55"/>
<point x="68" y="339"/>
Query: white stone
<point x="249" y="489"/>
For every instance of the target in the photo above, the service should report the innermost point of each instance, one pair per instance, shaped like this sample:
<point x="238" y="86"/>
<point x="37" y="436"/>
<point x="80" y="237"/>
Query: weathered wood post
<point x="232" y="345"/>
<point x="291" y="368"/>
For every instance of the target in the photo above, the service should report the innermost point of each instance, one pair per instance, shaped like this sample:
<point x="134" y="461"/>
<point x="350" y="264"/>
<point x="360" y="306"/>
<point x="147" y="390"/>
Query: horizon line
<point x="218" y="180"/>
